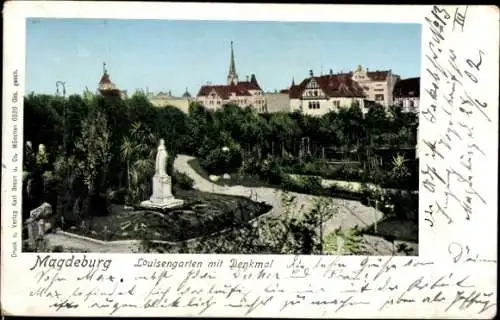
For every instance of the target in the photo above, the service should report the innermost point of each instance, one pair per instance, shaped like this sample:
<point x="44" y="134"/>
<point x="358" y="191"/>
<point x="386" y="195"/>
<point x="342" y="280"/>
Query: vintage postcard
<point x="249" y="160"/>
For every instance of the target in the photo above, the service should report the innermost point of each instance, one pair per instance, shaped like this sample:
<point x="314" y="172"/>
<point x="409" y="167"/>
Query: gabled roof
<point x="105" y="83"/>
<point x="407" y="88"/>
<point x="336" y="85"/>
<point x="378" y="75"/>
<point x="248" y="85"/>
<point x="105" y="78"/>
<point x="225" y="91"/>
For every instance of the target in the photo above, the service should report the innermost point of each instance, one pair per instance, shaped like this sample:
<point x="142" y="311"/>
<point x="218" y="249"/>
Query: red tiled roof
<point x="105" y="78"/>
<point x="248" y="85"/>
<point x="407" y="88"/>
<point x="225" y="91"/>
<point x="378" y="75"/>
<point x="337" y="85"/>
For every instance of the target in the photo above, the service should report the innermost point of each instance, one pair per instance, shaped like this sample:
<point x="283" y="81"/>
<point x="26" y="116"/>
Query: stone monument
<point x="162" y="197"/>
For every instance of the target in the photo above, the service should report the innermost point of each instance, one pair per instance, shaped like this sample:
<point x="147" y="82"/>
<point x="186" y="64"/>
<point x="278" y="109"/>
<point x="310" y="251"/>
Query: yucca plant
<point x="399" y="168"/>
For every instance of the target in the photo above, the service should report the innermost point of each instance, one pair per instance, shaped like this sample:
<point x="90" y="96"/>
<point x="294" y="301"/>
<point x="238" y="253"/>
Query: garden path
<point x="79" y="245"/>
<point x="351" y="213"/>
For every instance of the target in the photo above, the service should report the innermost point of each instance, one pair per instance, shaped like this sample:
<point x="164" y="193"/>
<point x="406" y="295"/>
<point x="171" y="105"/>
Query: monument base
<point x="170" y="203"/>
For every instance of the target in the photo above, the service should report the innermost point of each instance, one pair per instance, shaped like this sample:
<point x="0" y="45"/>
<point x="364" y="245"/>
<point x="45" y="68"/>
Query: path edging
<point x="101" y="242"/>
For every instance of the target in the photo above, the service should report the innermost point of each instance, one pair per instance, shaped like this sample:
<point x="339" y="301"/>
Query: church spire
<point x="232" y="76"/>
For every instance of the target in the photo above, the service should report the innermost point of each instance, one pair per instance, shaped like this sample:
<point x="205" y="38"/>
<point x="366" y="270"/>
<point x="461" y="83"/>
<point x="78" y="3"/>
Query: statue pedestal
<point x="162" y="197"/>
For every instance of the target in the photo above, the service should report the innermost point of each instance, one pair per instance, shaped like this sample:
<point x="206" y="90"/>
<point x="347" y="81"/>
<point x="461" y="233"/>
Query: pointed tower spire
<point x="293" y="81"/>
<point x="232" y="76"/>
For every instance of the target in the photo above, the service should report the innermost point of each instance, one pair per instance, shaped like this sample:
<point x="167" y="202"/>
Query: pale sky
<point x="161" y="55"/>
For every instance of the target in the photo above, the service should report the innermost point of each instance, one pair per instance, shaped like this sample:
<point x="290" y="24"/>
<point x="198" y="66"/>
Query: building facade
<point x="243" y="93"/>
<point x="162" y="99"/>
<point x="378" y="86"/>
<point x="277" y="102"/>
<point x="407" y="94"/>
<point x="320" y="95"/>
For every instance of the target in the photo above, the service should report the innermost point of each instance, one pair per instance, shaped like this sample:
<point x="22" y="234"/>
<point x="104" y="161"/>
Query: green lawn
<point x="203" y="214"/>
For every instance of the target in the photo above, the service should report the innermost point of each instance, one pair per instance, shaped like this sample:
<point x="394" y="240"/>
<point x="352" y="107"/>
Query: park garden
<point x="92" y="158"/>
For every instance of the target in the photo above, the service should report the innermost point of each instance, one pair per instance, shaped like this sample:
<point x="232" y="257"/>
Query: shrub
<point x="182" y="180"/>
<point x="308" y="184"/>
<point x="271" y="171"/>
<point x="218" y="161"/>
<point x="116" y="196"/>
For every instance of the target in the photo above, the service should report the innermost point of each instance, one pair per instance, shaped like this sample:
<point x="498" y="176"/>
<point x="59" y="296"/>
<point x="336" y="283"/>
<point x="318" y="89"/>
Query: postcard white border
<point x="478" y="234"/>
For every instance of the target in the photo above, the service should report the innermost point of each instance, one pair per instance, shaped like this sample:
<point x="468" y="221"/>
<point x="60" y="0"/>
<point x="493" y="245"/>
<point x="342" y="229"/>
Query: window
<point x="366" y="88"/>
<point x="400" y="103"/>
<point x="379" y="97"/>
<point x="412" y="103"/>
<point x="314" y="105"/>
<point x="336" y="103"/>
<point x="379" y="90"/>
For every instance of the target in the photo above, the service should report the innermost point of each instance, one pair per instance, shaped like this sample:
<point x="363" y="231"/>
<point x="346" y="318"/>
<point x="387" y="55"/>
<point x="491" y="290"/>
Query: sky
<point x="161" y="55"/>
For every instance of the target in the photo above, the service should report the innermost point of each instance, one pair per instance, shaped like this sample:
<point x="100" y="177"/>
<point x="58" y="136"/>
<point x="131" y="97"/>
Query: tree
<point x="42" y="121"/>
<point x="93" y="152"/>
<point x="284" y="130"/>
<point x="138" y="151"/>
<point x="199" y="126"/>
<point x="171" y="125"/>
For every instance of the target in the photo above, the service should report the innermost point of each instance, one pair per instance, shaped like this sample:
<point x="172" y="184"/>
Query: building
<point x="407" y="94"/>
<point x="320" y="95"/>
<point x="243" y="93"/>
<point x="107" y="88"/>
<point x="377" y="85"/>
<point x="163" y="99"/>
<point x="277" y="102"/>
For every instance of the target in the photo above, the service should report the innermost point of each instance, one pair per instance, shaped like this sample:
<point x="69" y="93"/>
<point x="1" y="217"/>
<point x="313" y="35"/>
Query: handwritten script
<point x="371" y="283"/>
<point x="452" y="154"/>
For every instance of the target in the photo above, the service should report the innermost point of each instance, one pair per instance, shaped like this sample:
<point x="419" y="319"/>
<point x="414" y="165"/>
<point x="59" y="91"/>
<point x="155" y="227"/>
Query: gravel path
<point x="82" y="245"/>
<point x="351" y="213"/>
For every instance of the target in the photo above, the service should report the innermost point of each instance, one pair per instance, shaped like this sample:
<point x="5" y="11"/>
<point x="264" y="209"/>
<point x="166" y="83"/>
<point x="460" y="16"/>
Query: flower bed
<point x="202" y="214"/>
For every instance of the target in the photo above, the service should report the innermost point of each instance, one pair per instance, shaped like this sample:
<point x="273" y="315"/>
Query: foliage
<point x="93" y="148"/>
<point x="182" y="180"/>
<point x="271" y="170"/>
<point x="222" y="160"/>
<point x="99" y="145"/>
<point x="291" y="233"/>
<point x="202" y="215"/>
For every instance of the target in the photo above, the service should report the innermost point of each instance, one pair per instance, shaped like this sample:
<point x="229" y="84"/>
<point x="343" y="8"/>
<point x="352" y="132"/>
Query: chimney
<point x="311" y="73"/>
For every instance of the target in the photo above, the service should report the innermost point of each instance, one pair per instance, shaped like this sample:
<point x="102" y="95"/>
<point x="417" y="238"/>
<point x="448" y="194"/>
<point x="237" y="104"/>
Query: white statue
<point x="161" y="159"/>
<point x="162" y="197"/>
